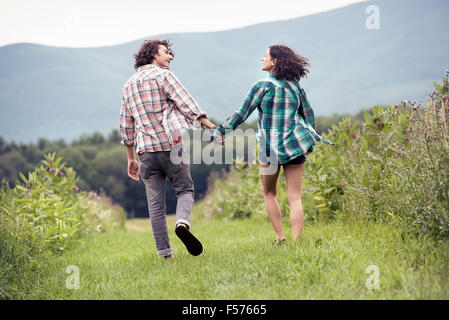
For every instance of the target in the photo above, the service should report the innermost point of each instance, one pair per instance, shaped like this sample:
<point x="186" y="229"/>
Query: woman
<point x="285" y="134"/>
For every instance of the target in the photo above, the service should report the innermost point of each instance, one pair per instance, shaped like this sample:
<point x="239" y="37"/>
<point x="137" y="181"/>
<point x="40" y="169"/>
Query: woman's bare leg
<point x="293" y="179"/>
<point x="269" y="182"/>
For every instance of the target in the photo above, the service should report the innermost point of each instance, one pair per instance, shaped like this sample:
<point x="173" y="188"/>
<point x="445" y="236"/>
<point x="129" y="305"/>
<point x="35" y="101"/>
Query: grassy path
<point x="239" y="262"/>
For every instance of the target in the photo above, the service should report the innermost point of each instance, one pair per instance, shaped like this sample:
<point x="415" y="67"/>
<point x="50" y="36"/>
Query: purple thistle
<point x="379" y="125"/>
<point x="342" y="184"/>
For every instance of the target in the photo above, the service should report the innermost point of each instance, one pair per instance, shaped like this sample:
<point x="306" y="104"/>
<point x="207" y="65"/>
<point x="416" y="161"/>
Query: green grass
<point x="240" y="262"/>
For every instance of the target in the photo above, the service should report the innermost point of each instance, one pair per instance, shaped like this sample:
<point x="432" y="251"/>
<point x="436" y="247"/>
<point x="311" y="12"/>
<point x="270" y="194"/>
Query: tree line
<point x="101" y="164"/>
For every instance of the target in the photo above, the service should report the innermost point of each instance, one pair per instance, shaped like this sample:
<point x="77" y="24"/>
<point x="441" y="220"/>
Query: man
<point x="155" y="106"/>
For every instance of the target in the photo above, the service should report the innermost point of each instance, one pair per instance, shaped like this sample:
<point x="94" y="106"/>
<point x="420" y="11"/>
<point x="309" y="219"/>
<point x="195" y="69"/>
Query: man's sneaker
<point x="192" y="244"/>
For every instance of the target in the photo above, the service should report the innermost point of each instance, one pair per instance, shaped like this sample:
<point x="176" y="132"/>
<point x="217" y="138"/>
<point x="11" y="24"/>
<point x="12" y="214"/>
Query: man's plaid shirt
<point x="285" y="122"/>
<point x="154" y="106"/>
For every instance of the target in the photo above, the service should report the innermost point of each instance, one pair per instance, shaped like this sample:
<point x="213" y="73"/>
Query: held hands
<point x="133" y="170"/>
<point x="219" y="139"/>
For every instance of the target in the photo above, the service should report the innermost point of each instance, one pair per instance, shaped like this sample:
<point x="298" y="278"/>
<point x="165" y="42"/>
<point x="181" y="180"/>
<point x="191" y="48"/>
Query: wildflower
<point x="60" y="174"/>
<point x="353" y="136"/>
<point x="342" y="184"/>
<point x="52" y="170"/>
<point x="103" y="214"/>
<point x="446" y="98"/>
<point x="379" y="125"/>
<point x="345" y="142"/>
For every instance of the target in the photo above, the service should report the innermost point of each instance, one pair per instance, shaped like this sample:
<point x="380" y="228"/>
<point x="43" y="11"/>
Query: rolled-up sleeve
<point x="183" y="100"/>
<point x="127" y="129"/>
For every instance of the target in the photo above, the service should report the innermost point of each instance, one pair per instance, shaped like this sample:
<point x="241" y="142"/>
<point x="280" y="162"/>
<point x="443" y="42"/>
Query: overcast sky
<point x="84" y="23"/>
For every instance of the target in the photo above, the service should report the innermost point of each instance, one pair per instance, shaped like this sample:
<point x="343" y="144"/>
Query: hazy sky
<point x="84" y="23"/>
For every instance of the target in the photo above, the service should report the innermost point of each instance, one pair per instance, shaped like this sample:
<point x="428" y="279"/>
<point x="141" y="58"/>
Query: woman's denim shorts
<point x="297" y="160"/>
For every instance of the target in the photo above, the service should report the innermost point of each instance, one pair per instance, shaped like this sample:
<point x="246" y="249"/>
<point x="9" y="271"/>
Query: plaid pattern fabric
<point x="285" y="122"/>
<point x="155" y="107"/>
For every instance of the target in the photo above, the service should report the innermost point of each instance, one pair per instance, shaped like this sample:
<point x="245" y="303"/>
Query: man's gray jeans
<point x="154" y="168"/>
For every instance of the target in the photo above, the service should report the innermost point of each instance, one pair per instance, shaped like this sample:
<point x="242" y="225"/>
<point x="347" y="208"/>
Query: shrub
<point x="397" y="171"/>
<point x="44" y="213"/>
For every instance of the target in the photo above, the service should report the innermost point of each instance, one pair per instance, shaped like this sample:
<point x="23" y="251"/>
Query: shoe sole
<point x="192" y="244"/>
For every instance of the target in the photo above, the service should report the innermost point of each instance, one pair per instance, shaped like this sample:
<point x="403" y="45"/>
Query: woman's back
<point x="282" y="106"/>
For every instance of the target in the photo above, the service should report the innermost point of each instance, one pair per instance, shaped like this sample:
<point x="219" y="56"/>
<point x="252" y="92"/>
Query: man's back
<point x="154" y="104"/>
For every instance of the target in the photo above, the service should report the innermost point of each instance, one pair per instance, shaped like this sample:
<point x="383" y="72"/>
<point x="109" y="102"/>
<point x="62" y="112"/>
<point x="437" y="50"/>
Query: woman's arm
<point x="251" y="102"/>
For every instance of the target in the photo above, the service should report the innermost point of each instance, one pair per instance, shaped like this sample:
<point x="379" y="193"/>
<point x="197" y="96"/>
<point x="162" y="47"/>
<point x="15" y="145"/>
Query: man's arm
<point x="206" y="123"/>
<point x="182" y="98"/>
<point x="127" y="131"/>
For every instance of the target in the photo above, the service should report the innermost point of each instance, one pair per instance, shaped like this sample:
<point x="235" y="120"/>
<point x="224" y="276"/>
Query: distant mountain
<point x="64" y="92"/>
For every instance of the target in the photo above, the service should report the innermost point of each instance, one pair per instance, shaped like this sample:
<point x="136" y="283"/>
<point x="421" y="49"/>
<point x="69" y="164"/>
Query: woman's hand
<point x="217" y="137"/>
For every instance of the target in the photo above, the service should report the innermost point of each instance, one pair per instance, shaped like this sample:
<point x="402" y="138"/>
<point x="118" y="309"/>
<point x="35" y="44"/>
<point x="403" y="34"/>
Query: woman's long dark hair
<point x="148" y="51"/>
<point x="289" y="65"/>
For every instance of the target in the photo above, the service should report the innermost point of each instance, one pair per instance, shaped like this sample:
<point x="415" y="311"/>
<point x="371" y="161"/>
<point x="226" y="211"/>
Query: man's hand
<point x="133" y="169"/>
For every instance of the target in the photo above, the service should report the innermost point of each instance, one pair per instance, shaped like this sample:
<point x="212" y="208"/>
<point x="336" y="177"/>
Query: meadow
<point x="331" y="261"/>
<point x="376" y="225"/>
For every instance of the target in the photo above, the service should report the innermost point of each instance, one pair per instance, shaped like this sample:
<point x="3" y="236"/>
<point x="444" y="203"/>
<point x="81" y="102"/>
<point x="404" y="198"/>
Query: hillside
<point x="65" y="92"/>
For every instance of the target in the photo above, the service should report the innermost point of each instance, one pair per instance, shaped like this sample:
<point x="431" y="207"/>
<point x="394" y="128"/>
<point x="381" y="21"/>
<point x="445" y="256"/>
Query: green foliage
<point x="328" y="169"/>
<point x="246" y="197"/>
<point x="396" y="171"/>
<point x="45" y="206"/>
<point x="45" y="213"/>
<point x="101" y="215"/>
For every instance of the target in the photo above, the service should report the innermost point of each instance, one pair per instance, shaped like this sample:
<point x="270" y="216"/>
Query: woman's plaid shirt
<point x="155" y="106"/>
<point x="285" y="122"/>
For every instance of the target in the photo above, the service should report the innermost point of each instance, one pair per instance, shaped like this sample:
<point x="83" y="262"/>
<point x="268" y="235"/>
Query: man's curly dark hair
<point x="289" y="65"/>
<point x="148" y="50"/>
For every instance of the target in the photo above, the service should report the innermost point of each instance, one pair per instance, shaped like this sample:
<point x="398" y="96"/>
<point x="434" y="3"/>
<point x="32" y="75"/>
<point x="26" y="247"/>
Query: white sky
<point x="92" y="23"/>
